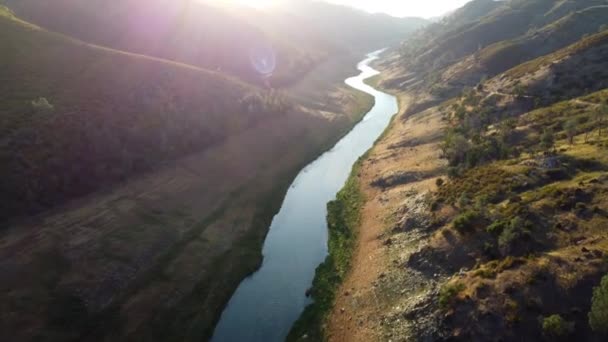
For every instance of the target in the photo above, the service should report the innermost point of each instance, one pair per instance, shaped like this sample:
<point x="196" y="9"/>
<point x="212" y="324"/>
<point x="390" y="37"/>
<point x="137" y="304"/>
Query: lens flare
<point x="263" y="59"/>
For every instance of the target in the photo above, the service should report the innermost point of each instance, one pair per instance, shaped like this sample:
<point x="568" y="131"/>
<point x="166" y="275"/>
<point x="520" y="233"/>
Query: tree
<point x="556" y="327"/>
<point x="506" y="128"/>
<point x="601" y="115"/>
<point x="598" y="316"/>
<point x="455" y="147"/>
<point x="547" y="141"/>
<point x="570" y="129"/>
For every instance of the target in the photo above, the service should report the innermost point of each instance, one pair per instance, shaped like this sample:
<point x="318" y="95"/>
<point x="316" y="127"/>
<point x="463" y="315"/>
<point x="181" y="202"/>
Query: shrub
<point x="453" y="172"/>
<point x="466" y="222"/>
<point x="481" y="203"/>
<point x="555" y="326"/>
<point x="448" y="292"/>
<point x="489" y="250"/>
<point x="486" y="273"/>
<point x="512" y="232"/>
<point x="570" y="129"/>
<point x="464" y="200"/>
<point x="435" y="205"/>
<point x="497" y="227"/>
<point x="271" y="101"/>
<point x="42" y="105"/>
<point x="598" y="316"/>
<point x="547" y="140"/>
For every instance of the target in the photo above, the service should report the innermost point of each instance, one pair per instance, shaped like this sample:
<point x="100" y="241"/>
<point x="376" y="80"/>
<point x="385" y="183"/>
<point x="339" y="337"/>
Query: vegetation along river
<point x="267" y="303"/>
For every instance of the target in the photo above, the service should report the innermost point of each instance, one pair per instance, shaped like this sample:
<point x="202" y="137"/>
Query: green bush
<point x="464" y="200"/>
<point x="512" y="232"/>
<point x="497" y="227"/>
<point x="547" y="140"/>
<point x="448" y="292"/>
<point x="598" y="316"/>
<point x="555" y="326"/>
<point x="465" y="222"/>
<point x="42" y="105"/>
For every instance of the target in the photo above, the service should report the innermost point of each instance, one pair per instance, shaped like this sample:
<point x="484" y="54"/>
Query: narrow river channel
<point x="266" y="304"/>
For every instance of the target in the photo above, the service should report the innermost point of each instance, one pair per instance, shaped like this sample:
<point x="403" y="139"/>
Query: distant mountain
<point x="216" y="38"/>
<point x="184" y="31"/>
<point x="352" y="28"/>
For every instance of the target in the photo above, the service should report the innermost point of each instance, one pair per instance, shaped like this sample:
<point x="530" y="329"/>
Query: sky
<point x="406" y="8"/>
<point x="398" y="8"/>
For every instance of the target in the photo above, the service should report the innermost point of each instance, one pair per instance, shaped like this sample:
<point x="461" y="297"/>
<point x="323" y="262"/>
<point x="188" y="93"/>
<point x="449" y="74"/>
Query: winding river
<point x="266" y="304"/>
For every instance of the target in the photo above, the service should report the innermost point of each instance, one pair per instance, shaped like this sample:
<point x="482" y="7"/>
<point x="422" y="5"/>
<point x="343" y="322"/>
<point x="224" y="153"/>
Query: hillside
<point x="189" y="32"/>
<point x="482" y="23"/>
<point x="485" y="38"/>
<point x="130" y="208"/>
<point x="503" y="55"/>
<point x="100" y="120"/>
<point x="201" y="34"/>
<point x="485" y="206"/>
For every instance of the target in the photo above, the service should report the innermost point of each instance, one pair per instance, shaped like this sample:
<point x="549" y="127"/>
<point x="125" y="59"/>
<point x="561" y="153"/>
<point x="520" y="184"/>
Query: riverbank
<point x="377" y="283"/>
<point x="343" y="219"/>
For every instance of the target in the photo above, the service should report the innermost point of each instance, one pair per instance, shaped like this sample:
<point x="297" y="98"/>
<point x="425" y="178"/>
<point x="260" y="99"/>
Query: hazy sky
<point x="401" y="8"/>
<point x="398" y="8"/>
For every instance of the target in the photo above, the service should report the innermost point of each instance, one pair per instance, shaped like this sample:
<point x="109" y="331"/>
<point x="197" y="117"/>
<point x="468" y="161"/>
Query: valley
<point x="171" y="171"/>
<point x="137" y="191"/>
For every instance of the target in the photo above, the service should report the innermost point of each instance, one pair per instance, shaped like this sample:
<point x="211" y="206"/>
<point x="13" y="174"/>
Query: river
<point x="267" y="303"/>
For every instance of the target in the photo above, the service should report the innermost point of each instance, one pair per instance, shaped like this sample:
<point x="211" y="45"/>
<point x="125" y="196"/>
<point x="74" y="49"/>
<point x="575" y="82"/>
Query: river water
<point x="266" y="304"/>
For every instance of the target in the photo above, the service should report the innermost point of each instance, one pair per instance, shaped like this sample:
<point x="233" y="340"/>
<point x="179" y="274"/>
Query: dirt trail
<point x="363" y="301"/>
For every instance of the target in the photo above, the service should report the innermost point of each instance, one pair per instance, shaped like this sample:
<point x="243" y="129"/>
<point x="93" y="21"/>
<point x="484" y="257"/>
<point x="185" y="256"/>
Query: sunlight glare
<point x="251" y="3"/>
